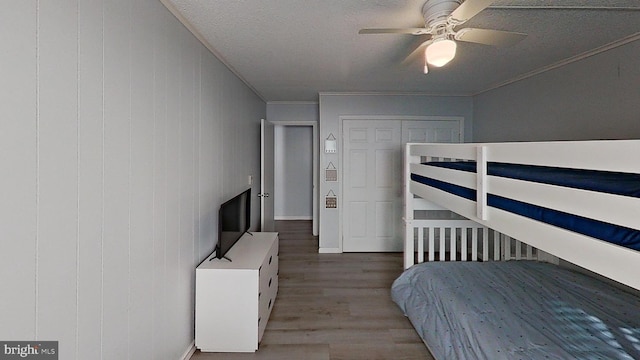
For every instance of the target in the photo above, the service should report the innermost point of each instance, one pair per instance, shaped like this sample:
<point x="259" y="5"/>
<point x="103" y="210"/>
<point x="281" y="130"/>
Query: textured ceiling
<point x="290" y="50"/>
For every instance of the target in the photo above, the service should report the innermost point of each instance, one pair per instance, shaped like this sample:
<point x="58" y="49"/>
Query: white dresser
<point x="234" y="299"/>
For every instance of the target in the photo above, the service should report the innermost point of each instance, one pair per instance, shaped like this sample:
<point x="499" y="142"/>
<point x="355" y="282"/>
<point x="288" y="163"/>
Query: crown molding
<point x="292" y="102"/>
<point x="390" y="93"/>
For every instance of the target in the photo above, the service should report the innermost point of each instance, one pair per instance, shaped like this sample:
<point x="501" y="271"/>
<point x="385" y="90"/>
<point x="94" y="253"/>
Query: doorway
<point x="295" y="171"/>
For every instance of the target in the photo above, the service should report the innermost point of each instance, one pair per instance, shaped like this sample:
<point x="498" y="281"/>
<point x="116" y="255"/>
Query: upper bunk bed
<point x="576" y="200"/>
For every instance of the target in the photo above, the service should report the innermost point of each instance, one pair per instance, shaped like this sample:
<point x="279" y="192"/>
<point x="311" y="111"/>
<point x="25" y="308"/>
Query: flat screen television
<point x="234" y="219"/>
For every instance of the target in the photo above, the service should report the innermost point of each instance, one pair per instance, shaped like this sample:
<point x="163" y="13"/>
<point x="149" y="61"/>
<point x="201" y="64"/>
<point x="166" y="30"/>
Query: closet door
<point x="372" y="180"/>
<point x="372" y="192"/>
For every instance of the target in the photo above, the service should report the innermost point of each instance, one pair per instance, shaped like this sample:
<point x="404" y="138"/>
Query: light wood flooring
<point x="333" y="306"/>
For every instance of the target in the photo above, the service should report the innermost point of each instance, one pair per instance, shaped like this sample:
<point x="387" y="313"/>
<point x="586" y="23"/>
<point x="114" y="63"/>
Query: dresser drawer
<point x="268" y="288"/>
<point x="269" y="268"/>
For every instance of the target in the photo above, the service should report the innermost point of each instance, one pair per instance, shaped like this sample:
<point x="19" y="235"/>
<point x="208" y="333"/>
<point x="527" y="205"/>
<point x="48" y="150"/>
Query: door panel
<point x="385" y="160"/>
<point x="384" y="228"/>
<point x="358" y="218"/>
<point x="358" y="166"/>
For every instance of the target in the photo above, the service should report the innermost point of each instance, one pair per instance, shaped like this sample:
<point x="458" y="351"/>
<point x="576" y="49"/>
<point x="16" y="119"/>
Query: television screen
<point x="234" y="219"/>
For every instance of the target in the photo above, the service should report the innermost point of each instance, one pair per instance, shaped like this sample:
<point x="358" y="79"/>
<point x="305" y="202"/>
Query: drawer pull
<point x="259" y="294"/>
<point x="270" y="258"/>
<point x="259" y="320"/>
<point x="270" y="303"/>
<point x="270" y="281"/>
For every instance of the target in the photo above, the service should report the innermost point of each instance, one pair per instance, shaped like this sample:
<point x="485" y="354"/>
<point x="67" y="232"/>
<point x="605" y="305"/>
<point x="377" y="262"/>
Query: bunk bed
<point x="538" y="203"/>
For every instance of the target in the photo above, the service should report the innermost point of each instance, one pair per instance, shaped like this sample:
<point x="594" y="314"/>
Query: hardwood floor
<point x="333" y="306"/>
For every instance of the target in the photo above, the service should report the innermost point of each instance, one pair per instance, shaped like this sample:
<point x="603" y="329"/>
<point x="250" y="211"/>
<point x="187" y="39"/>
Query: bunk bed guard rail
<point x="475" y="194"/>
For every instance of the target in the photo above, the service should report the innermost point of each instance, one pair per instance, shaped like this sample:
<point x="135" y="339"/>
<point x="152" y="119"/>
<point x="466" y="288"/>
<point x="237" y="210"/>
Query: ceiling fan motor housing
<point x="436" y="12"/>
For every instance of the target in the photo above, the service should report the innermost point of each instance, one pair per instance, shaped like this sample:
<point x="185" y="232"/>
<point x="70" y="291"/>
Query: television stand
<point x="234" y="299"/>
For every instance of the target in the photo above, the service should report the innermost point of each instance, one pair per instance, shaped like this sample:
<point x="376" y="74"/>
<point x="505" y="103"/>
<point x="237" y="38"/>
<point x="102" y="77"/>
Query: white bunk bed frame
<point x="607" y="259"/>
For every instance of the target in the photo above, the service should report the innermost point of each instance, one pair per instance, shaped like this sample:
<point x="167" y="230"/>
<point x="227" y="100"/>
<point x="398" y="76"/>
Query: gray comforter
<point x="517" y="310"/>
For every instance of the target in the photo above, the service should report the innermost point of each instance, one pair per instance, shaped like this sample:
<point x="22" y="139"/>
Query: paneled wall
<point x="120" y="135"/>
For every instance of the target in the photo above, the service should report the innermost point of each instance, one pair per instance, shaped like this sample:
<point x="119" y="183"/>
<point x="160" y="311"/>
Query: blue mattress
<point x="602" y="181"/>
<point x="517" y="310"/>
<point x="618" y="183"/>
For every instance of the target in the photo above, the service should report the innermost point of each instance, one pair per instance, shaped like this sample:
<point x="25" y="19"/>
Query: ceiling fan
<point x="441" y="17"/>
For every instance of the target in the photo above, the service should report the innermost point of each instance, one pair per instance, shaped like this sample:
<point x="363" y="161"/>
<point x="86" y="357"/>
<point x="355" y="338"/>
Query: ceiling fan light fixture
<point x="440" y="52"/>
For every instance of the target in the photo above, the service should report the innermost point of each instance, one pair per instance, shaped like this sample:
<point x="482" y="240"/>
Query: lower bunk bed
<point x="517" y="310"/>
<point x="569" y="203"/>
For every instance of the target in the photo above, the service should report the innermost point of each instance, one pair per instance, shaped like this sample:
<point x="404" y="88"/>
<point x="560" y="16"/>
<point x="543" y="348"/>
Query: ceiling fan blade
<point x="417" y="55"/>
<point x="411" y="31"/>
<point x="468" y="9"/>
<point x="568" y="7"/>
<point x="489" y="37"/>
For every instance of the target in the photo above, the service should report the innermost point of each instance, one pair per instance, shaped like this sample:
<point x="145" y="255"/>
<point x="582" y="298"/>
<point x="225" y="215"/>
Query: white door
<point x="372" y="180"/>
<point x="266" y="175"/>
<point x="372" y="192"/>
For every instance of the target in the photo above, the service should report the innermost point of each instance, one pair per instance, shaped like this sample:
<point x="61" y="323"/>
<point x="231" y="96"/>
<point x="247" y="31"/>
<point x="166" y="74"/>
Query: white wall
<point x="334" y="106"/>
<point x="293" y="111"/>
<point x="120" y="136"/>
<point x="594" y="98"/>
<point x="293" y="173"/>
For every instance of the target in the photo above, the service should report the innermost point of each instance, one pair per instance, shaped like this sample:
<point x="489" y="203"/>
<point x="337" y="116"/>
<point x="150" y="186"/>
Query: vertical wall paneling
<point x="90" y="177"/>
<point x="226" y="128"/>
<point x="120" y="136"/>
<point x="57" y="174"/>
<point x="197" y="128"/>
<point x="172" y="258"/>
<point x="18" y="149"/>
<point x="117" y="143"/>
<point x="218" y="134"/>
<point x="141" y="189"/>
<point x="206" y="160"/>
<point x="160" y="336"/>
<point x="215" y="144"/>
<point x="186" y="151"/>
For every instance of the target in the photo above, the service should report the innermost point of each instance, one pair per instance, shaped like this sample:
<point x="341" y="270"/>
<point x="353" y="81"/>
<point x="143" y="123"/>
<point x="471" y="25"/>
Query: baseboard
<point x="329" y="251"/>
<point x="293" y="218"/>
<point x="190" y="350"/>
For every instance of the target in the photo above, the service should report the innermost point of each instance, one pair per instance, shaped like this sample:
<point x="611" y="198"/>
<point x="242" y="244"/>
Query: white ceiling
<point x="290" y="50"/>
